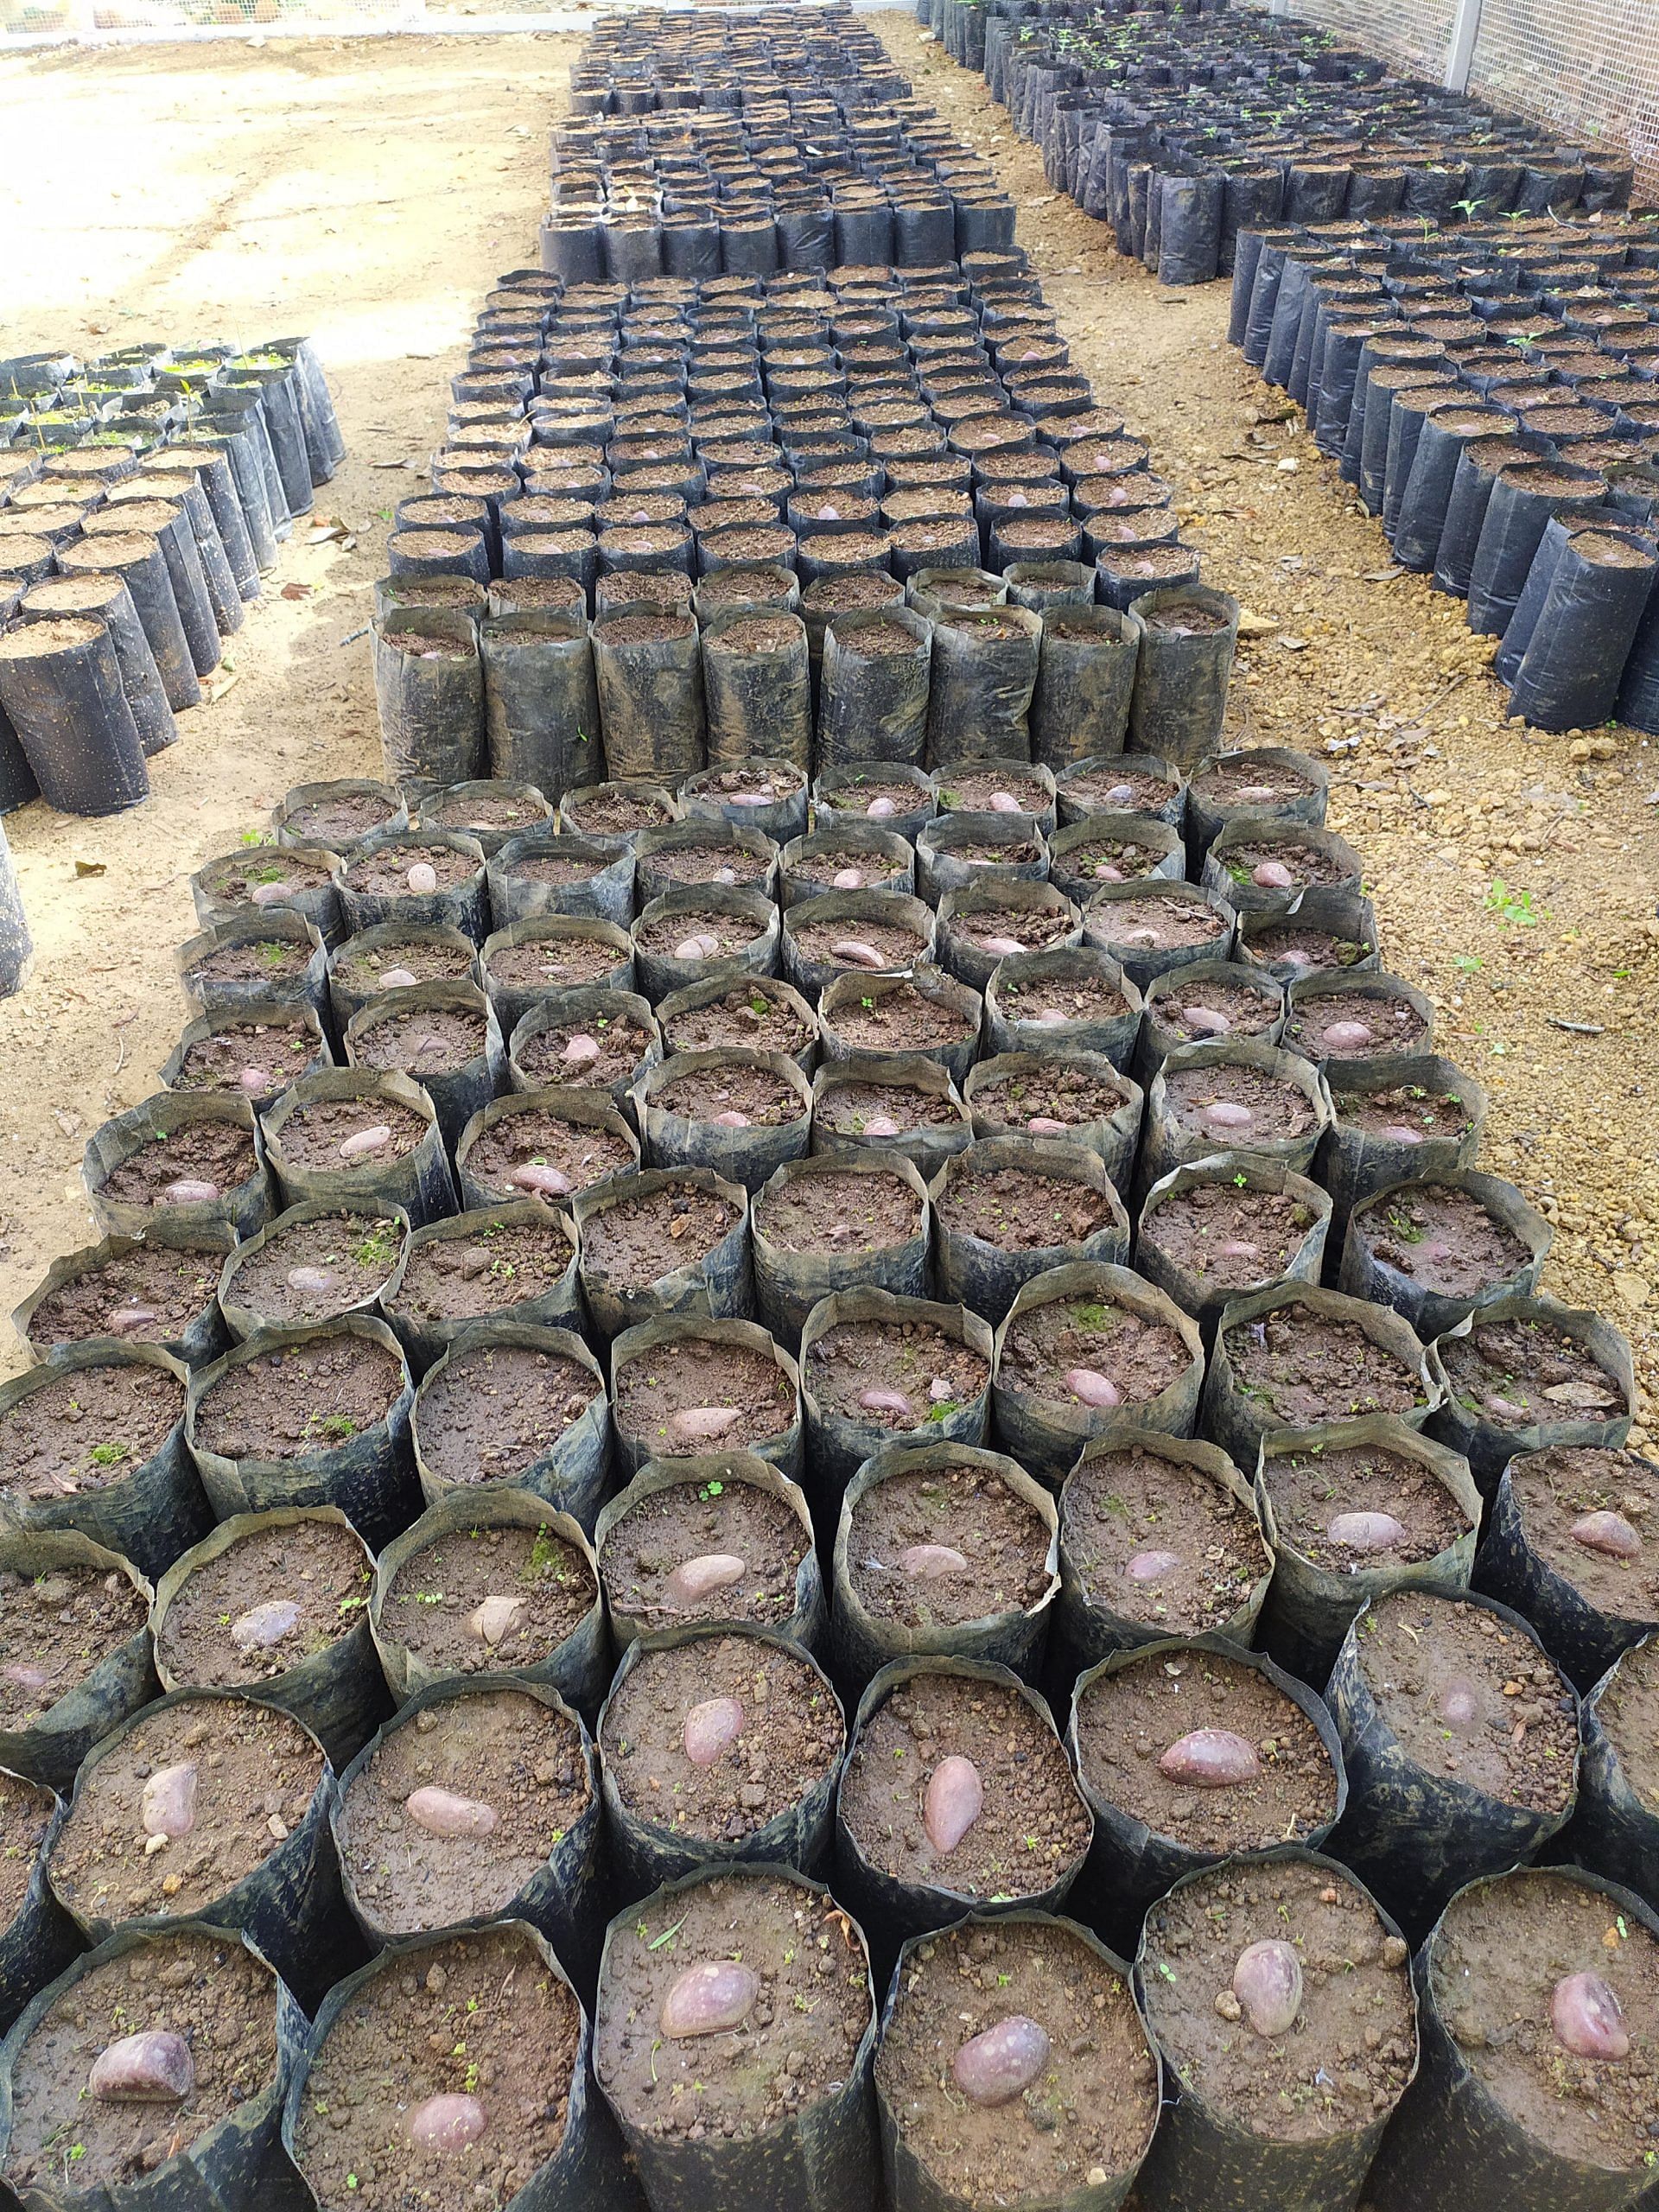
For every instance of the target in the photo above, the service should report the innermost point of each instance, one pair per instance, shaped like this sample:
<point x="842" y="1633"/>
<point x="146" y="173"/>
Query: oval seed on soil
<point x="1460" y="1707"/>
<point x="255" y="1081"/>
<point x="1004" y="803"/>
<point x="448" y="2122"/>
<point x="1210" y="1758"/>
<point x="127" y="1320"/>
<point x="581" y="1051"/>
<point x="724" y="875"/>
<point x="955" y="1800"/>
<point x="881" y="1125"/>
<point x="701" y="947"/>
<point x="1207" y="1022"/>
<point x="697" y="1424"/>
<point x="1152" y="1567"/>
<point x="1505" y="1409"/>
<point x="546" y="1182"/>
<point x="876" y="1401"/>
<point x="1256" y="795"/>
<point x="445" y="1812"/>
<point x="1094" y="1388"/>
<point x="1349" y="1037"/>
<point x="880" y="809"/>
<point x="995" y="2068"/>
<point x="856" y="953"/>
<point x="1267" y="1983"/>
<point x="399" y="979"/>
<point x="263" y="1625"/>
<point x="711" y="1729"/>
<point x="168" y="1805"/>
<point x="152" y="2067"/>
<point x="1273" y="875"/>
<point x="363" y="1144"/>
<point x="189" y="1190"/>
<point x="693" y="1578"/>
<point x="496" y="1618"/>
<point x="1397" y="1133"/>
<point x="1044" y="1125"/>
<point x="270" y="894"/>
<point x="1585" y="2016"/>
<point x="1000" y="948"/>
<point x="1367" y="1532"/>
<point x="1239" y="1248"/>
<point x="27" y="1678"/>
<point x="731" y="1119"/>
<point x="1608" y="1532"/>
<point x="1121" y="794"/>
<point x="709" y="1998"/>
<point x="847" y="878"/>
<point x="1108" y="872"/>
<point x="927" y="1562"/>
<point x="1227" y="1114"/>
<point x="422" y="877"/>
<point x="310" y="1282"/>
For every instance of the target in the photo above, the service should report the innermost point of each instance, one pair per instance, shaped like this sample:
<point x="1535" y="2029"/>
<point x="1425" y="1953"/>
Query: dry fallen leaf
<point x="296" y="591"/>
<point x="91" y="867"/>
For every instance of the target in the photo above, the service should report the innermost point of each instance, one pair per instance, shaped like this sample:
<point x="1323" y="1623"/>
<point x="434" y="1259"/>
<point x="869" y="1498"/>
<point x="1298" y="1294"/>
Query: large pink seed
<point x="1122" y="794"/>
<point x="399" y="979"/>
<point x="1256" y="795"/>
<point x="708" y="1998"/>
<point x="190" y="1191"/>
<point x="1606" y="1532"/>
<point x="546" y="1182"/>
<point x="496" y="1618"/>
<point x="764" y="796"/>
<point x="1460" y="1705"/>
<point x="881" y="1125"/>
<point x="27" y="1678"/>
<point x="362" y="1144"/>
<point x="1093" y="1388"/>
<point x="1210" y="1758"/>
<point x="1044" y="1125"/>
<point x="1267" y="1983"/>
<point x="1397" y="1133"/>
<point x="1238" y="1247"/>
<point x="423" y="878"/>
<point x="927" y="1562"/>
<point x="1367" y="1532"/>
<point x="1224" y="1114"/>
<point x="856" y="953"/>
<point x="711" y="1729"/>
<point x="152" y="2067"/>
<point x="880" y="809"/>
<point x="1002" y="948"/>
<point x="1108" y="872"/>
<point x="1272" y="876"/>
<point x="1505" y="1409"/>
<point x="1207" y="1021"/>
<point x="700" y="1424"/>
<point x="886" y="1401"/>
<point x="1004" y="803"/>
<point x="446" y="1813"/>
<point x="254" y="1081"/>
<point x="1050" y="1018"/>
<point x="310" y="1282"/>
<point x="270" y="894"/>
<point x="1152" y="1567"/>
<point x="581" y="1051"/>
<point x="995" y="2068"/>
<point x="694" y="1579"/>
<point x="1349" y="1037"/>
<point x="168" y="1804"/>
<point x="847" y="878"/>
<point x="1586" y="2018"/>
<point x="265" y="1625"/>
<point x="724" y="875"/>
<point x="127" y="1320"/>
<point x="701" y="947"/>
<point x="449" y="2122"/>
<point x="954" y="1799"/>
<point x="731" y="1119"/>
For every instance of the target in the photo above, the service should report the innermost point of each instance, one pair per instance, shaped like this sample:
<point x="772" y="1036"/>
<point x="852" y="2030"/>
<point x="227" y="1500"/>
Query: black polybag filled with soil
<point x="428" y="684"/>
<point x="540" y="706"/>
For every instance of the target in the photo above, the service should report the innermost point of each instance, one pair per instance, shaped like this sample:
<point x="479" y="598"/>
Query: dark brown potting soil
<point x="1114" y="789"/>
<point x="809" y="2010"/>
<point x="660" y="1393"/>
<point x="547" y="1055"/>
<point x="1246" y="783"/>
<point x="83" y="1430"/>
<point x="839" y="1212"/>
<point x="882" y="640"/>
<point x="55" y="1627"/>
<point x="931" y="1376"/>
<point x="318" y="1268"/>
<point x="1053" y="1091"/>
<point x="869" y="790"/>
<point x="313" y="1134"/>
<point x="1501" y="1955"/>
<point x="764" y="1099"/>
<point x="987" y="854"/>
<point x="1020" y="1210"/>
<point x="1229" y="1238"/>
<point x="1305" y="950"/>
<point x="621" y="630"/>
<point x="1395" y="1025"/>
<point x="498" y="1409"/>
<point x="1312" y="1491"/>
<point x="383" y="871"/>
<point x="219" y="1998"/>
<point x="253" y="1058"/>
<point x="904" y="1020"/>
<point x="1299" y="1368"/>
<point x="1157" y="921"/>
<point x="1244" y="1008"/>
<point x="728" y="1518"/>
<point x="1629" y="1711"/>
<point x="257" y="960"/>
<point x="1518" y="1373"/>
<point x="1109" y="859"/>
<point x="478" y="2015"/>
<point x="1471" y="1697"/>
<point x="434" y="1606"/>
<point x="344" y="817"/>
<point x="534" y="1136"/>
<point x="712" y="862"/>
<point x="219" y="1153"/>
<point x="234" y="880"/>
<point x="731" y="933"/>
<point x="754" y="1013"/>
<point x="1141" y="1358"/>
<point x="849" y="1109"/>
<point x="758" y="634"/>
<point x="250" y="1774"/>
<point x="1279" y="1108"/>
<point x="482" y="810"/>
<point x="1441" y="1237"/>
<point x="146" y="1295"/>
<point x="971" y="1510"/>
<point x="300" y="1400"/>
<point x="1353" y="2044"/>
<point x="277" y="1596"/>
<point x="1611" y="1565"/>
<point x="429" y="1040"/>
<point x="1033" y="928"/>
<point x="516" y="1758"/>
<point x="1411" y="1108"/>
<point x="639" y="1239"/>
<point x="559" y="869"/>
<point x="1307" y="864"/>
<point x="1033" y="1827"/>
<point x="815" y="873"/>
<point x="1130" y="1720"/>
<point x="363" y="972"/>
<point x="972" y="791"/>
<point x="823" y="942"/>
<point x="1185" y="617"/>
<point x="1050" y="1001"/>
<point x="555" y="963"/>
<point x="789" y="1735"/>
<point x="615" y="810"/>
<point x="1156" y="1542"/>
<point x="1090" y="2112"/>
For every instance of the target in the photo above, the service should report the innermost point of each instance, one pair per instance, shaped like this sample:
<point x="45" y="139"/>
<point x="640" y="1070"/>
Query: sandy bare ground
<point x="370" y="191"/>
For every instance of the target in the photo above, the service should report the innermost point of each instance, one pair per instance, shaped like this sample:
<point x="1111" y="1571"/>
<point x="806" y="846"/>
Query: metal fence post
<point x="1465" y="29"/>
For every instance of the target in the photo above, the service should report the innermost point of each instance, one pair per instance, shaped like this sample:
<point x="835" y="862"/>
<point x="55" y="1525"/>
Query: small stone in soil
<point x="927" y="1562"/>
<point x="188" y="1191"/>
<point x="886" y="1401"/>
<point x="1152" y="1567"/>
